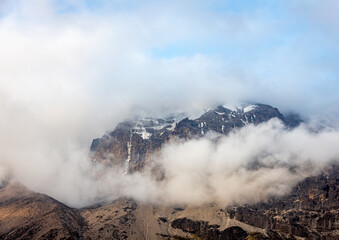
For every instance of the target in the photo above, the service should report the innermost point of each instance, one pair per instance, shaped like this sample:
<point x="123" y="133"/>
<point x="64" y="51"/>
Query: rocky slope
<point x="132" y="143"/>
<point x="28" y="215"/>
<point x="310" y="211"/>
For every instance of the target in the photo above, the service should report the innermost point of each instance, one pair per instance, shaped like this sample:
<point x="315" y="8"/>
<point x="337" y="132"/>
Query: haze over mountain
<point x="253" y="152"/>
<point x="229" y="174"/>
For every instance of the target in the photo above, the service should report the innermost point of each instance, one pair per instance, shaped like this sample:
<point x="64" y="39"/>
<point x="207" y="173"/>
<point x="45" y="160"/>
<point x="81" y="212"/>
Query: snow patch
<point x="142" y="132"/>
<point x="250" y="108"/>
<point x="145" y="127"/>
<point x="129" y="146"/>
<point x="219" y="113"/>
<point x="172" y="127"/>
<point x="231" y="107"/>
<point x="145" y="134"/>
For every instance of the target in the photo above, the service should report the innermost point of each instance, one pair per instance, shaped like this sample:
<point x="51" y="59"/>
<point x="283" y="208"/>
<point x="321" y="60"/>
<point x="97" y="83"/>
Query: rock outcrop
<point x="133" y="143"/>
<point x="310" y="211"/>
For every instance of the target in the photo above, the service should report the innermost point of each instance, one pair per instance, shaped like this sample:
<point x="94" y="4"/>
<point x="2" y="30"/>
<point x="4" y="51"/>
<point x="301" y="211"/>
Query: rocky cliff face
<point x="310" y="211"/>
<point x="132" y="143"/>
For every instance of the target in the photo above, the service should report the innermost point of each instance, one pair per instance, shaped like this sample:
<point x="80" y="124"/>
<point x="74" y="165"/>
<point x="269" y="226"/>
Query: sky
<point x="71" y="70"/>
<point x="169" y="55"/>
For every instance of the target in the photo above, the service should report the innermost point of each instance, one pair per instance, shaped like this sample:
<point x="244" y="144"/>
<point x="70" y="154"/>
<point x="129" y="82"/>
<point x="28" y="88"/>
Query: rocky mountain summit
<point x="132" y="143"/>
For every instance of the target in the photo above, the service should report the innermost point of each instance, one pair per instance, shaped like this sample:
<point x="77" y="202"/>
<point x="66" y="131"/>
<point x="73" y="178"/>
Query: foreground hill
<point x="28" y="215"/>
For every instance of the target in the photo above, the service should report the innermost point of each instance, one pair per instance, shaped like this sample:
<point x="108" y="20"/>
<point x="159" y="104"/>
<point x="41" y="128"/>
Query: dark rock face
<point x="205" y="231"/>
<point x="132" y="143"/>
<point x="310" y="211"/>
<point x="202" y="230"/>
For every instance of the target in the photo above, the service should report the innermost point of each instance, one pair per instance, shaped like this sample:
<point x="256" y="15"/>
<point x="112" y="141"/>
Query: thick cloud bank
<point x="249" y="165"/>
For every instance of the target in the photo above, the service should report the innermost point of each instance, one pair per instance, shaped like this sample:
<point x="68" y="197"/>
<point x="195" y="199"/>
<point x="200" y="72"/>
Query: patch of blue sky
<point x="219" y="44"/>
<point x="181" y="49"/>
<point x="243" y="6"/>
<point x="5" y="8"/>
<point x="62" y="6"/>
<point x="221" y="47"/>
<point x="66" y="6"/>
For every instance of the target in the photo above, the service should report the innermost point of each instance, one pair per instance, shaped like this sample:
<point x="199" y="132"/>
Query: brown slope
<point x="28" y="215"/>
<point x="128" y="219"/>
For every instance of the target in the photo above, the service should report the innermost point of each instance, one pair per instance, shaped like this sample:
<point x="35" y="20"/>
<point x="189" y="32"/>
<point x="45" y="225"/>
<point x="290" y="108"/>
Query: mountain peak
<point x="130" y="144"/>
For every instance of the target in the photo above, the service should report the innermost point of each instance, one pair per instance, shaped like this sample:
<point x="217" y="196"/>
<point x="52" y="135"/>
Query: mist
<point x="71" y="71"/>
<point x="249" y="165"/>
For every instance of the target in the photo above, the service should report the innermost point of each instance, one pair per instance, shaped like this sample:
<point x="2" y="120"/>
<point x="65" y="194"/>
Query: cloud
<point x="322" y="15"/>
<point x="249" y="165"/>
<point x="135" y="54"/>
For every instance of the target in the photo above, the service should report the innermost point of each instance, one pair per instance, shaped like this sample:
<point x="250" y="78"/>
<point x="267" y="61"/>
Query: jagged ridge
<point x="132" y="143"/>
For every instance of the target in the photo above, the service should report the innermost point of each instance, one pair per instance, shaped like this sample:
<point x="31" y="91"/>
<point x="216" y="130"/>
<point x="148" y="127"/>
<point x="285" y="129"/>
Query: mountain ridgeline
<point x="133" y="143"/>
